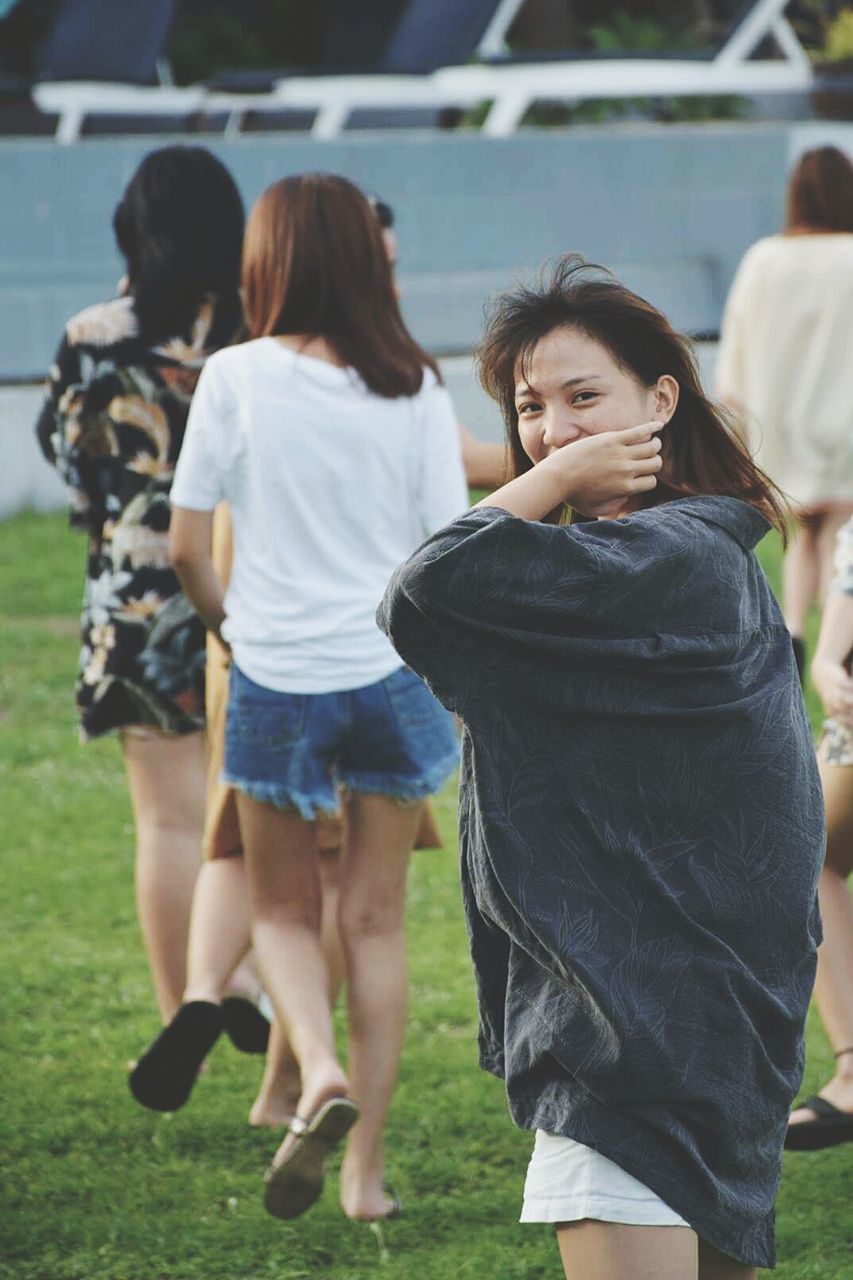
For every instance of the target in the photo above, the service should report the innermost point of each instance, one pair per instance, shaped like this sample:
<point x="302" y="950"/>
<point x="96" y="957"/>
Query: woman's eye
<point x="525" y="410"/>
<point x="582" y="396"/>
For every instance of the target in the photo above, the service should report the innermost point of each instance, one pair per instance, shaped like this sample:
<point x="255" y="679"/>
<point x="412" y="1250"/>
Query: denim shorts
<point x="296" y="750"/>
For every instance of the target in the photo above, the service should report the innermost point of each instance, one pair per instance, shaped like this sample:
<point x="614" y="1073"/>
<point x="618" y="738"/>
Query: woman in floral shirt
<point x="112" y="424"/>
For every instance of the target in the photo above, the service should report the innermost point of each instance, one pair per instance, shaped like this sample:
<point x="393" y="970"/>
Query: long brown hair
<point x="314" y="263"/>
<point x="820" y="192"/>
<point x="701" y="455"/>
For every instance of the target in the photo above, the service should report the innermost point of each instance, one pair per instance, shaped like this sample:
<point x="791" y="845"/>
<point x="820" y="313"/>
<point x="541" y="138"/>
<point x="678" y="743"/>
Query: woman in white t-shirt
<point x="335" y="445"/>
<point x="785" y="366"/>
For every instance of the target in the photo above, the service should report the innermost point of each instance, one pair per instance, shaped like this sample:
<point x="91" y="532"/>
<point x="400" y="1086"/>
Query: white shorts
<point x="567" y="1181"/>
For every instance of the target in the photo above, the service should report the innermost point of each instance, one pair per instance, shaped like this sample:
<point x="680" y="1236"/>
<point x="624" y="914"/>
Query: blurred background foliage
<point x="209" y="36"/>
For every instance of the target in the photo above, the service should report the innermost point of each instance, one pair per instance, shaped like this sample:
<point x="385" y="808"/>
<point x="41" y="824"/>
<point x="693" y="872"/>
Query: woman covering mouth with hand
<point x="641" y="819"/>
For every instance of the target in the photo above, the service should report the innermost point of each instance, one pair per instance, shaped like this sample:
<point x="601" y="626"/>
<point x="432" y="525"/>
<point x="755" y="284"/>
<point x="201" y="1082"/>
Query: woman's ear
<point x="666" y="397"/>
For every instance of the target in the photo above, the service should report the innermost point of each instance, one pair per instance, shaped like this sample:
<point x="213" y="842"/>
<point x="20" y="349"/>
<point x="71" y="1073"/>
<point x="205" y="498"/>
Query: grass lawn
<point x="95" y="1188"/>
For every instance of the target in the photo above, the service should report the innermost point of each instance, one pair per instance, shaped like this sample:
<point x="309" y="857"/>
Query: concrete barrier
<point x="670" y="208"/>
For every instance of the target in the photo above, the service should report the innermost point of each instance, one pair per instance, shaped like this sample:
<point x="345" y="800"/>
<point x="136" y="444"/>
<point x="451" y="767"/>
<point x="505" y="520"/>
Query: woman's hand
<point x="603" y="472"/>
<point x="832" y="657"/>
<point x="598" y="475"/>
<point x="834" y="688"/>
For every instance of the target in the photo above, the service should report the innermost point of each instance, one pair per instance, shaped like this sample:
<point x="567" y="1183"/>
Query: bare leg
<point x="244" y="979"/>
<point x="800" y="576"/>
<point x="593" y="1250"/>
<point x="278" y="1096"/>
<point x="167" y="787"/>
<point x="220" y="929"/>
<point x="285" y="904"/>
<point x="827" y="533"/>
<point x="373" y="888"/>
<point x="834" y="985"/>
<point x="714" y="1265"/>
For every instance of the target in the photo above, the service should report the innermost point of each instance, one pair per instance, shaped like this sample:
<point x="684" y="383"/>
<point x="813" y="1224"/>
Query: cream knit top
<point x="786" y="358"/>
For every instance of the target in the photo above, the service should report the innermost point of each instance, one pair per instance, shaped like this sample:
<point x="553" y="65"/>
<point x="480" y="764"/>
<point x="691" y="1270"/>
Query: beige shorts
<point x="567" y="1181"/>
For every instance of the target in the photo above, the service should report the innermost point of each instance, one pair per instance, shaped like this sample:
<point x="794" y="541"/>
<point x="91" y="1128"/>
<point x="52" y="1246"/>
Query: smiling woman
<point x="581" y="355"/>
<point x="554" y="410"/>
<point x="640" y="810"/>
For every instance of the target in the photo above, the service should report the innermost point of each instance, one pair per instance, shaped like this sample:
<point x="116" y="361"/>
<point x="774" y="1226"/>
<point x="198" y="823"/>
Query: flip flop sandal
<point x="164" y="1076"/>
<point x="296" y="1182"/>
<point x="830" y="1128"/>
<point x="244" y="1024"/>
<point x="397" y="1210"/>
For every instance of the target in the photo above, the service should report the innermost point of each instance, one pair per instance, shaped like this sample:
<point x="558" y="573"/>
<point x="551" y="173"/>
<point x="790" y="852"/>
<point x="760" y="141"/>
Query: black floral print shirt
<point x="641" y="836"/>
<point x="112" y="424"/>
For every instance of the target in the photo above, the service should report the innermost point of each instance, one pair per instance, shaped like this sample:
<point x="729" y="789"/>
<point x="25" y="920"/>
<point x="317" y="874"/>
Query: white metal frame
<point x="493" y="43"/>
<point x="509" y="88"/>
<point x="513" y="88"/>
<point x="73" y="100"/>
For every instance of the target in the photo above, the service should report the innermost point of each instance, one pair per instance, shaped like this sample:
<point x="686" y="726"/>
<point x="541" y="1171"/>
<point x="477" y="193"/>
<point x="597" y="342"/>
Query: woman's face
<point x="575" y="388"/>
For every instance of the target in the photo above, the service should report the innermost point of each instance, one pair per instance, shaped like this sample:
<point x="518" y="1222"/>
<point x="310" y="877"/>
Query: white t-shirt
<point x="330" y="488"/>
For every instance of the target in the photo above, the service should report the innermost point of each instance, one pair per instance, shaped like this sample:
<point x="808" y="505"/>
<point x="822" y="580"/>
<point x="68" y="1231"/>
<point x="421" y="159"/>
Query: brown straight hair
<point x="314" y="263"/>
<point x="820" y="192"/>
<point x="701" y="455"/>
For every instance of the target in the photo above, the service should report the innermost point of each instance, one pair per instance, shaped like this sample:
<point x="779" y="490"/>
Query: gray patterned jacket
<point x="641" y="835"/>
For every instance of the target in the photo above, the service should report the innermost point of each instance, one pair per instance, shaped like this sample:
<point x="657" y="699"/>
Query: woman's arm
<point x="190" y="553"/>
<point x="497" y="577"/>
<point x="829" y="666"/>
<point x="598" y="475"/>
<point x="485" y="463"/>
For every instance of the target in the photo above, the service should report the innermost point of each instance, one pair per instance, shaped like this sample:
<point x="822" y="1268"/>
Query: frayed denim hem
<point x="406" y="790"/>
<point x="308" y="808"/>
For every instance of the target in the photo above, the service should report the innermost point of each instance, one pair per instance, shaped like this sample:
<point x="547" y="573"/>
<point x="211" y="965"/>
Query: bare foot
<point x="330" y="1083"/>
<point x="271" y="1111"/>
<point x="838" y="1091"/>
<point x="364" y="1196"/>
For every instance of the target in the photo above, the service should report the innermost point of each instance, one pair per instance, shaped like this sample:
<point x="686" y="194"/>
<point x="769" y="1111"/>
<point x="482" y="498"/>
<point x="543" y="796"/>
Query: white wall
<point x="25" y="478"/>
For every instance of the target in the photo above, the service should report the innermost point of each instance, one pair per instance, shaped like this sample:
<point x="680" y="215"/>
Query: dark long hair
<point x="701" y="455"/>
<point x="179" y="226"/>
<point x="820" y="192"/>
<point x="314" y="263"/>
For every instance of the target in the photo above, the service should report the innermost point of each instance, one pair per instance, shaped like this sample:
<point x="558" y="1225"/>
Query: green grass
<point x="97" y="1189"/>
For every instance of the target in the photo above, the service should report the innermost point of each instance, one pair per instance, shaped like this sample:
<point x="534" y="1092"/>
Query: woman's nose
<point x="559" y="429"/>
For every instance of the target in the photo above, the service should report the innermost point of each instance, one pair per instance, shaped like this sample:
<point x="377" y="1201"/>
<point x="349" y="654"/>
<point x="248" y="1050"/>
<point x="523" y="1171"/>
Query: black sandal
<point x="245" y="1025"/>
<point x="397" y="1209"/>
<point x="164" y="1076"/>
<point x="830" y="1128"/>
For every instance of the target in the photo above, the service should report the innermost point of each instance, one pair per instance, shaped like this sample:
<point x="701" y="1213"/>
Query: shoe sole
<point x="163" y="1078"/>
<point x="245" y="1025"/>
<point x="297" y="1183"/>
<point x="818" y="1136"/>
